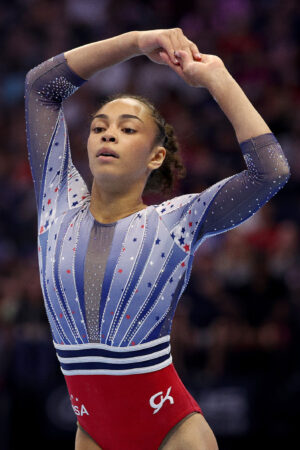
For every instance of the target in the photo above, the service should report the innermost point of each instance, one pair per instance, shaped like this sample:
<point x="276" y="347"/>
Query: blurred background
<point x="236" y="330"/>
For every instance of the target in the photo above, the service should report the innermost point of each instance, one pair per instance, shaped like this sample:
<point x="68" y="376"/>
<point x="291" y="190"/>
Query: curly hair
<point x="172" y="168"/>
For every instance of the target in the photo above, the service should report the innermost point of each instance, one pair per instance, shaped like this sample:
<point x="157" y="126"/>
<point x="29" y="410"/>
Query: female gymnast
<point x="112" y="268"/>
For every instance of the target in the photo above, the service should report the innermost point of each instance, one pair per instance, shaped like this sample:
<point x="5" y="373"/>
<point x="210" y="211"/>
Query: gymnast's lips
<point x="105" y="151"/>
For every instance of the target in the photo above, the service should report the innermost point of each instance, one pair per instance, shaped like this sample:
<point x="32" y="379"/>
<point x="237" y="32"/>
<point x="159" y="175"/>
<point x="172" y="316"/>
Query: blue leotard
<point x="112" y="288"/>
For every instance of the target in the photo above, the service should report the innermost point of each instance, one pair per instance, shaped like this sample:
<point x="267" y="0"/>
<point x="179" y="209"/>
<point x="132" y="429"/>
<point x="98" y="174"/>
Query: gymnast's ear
<point x="157" y="157"/>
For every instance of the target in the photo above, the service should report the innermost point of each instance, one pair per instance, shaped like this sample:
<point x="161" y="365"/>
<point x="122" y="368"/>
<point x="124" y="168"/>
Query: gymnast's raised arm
<point x="51" y="82"/>
<point x="158" y="45"/>
<point x="237" y="198"/>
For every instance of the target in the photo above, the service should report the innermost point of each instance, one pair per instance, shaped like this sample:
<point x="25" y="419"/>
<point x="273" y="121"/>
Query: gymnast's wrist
<point x="219" y="82"/>
<point x="132" y="37"/>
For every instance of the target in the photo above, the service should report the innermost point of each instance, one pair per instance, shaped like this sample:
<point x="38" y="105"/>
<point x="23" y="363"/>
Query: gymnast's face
<point x="120" y="145"/>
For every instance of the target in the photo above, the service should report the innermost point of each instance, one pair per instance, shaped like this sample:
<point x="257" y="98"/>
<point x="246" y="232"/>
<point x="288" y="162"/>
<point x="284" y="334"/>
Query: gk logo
<point x="157" y="406"/>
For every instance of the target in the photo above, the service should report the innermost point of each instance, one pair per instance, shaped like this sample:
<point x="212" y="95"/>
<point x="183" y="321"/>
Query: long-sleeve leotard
<point x="118" y="284"/>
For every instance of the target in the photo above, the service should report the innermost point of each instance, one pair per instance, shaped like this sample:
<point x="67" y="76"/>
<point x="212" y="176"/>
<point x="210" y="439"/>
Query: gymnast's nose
<point x="108" y="138"/>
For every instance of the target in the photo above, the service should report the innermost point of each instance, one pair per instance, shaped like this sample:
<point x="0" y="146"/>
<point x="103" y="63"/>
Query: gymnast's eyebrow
<point x="122" y="116"/>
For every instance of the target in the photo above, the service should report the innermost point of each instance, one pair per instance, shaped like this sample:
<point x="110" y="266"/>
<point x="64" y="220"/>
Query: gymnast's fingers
<point x="181" y="42"/>
<point x="167" y="44"/>
<point x="195" y="51"/>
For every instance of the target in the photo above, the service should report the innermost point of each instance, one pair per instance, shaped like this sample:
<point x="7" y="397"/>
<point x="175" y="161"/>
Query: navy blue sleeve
<point x="192" y="218"/>
<point x="46" y="86"/>
<point x="267" y="172"/>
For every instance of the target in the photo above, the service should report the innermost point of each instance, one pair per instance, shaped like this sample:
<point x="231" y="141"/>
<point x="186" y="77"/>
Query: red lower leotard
<point x="130" y="412"/>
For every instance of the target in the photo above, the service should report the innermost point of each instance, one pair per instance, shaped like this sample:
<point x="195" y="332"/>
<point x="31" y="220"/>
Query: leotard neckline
<point x="110" y="224"/>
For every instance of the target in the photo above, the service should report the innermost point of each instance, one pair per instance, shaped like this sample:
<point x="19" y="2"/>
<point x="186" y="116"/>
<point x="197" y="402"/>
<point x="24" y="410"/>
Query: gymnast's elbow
<point x="283" y="173"/>
<point x="286" y="173"/>
<point x="34" y="76"/>
<point x="279" y="177"/>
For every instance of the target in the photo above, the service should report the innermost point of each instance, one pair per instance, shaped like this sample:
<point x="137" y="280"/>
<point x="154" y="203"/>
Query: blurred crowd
<point x="236" y="330"/>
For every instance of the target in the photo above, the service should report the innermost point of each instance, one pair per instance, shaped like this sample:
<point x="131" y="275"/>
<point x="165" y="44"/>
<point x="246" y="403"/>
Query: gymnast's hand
<point x="160" y="45"/>
<point x="204" y="72"/>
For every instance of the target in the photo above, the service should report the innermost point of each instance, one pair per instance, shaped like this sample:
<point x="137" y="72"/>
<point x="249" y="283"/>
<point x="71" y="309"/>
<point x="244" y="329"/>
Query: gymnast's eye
<point x="129" y="130"/>
<point x="98" y="129"/>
